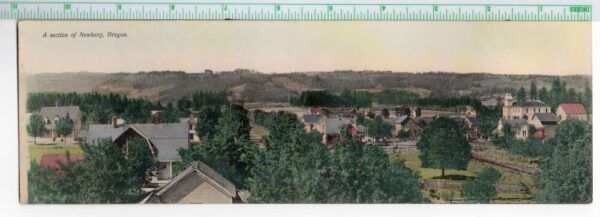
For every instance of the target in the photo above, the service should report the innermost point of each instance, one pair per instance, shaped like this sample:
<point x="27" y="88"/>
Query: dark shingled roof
<point x="529" y="103"/>
<point x="60" y="111"/>
<point x="514" y="123"/>
<point x="334" y="125"/>
<point x="546" y="118"/>
<point x="166" y="138"/>
<point x="311" y="118"/>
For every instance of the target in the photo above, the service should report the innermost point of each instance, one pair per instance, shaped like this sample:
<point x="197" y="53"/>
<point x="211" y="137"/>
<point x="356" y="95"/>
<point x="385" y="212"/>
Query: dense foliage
<point x="443" y="146"/>
<point x="566" y="174"/>
<point x="99" y="108"/>
<point x="106" y="175"/>
<point x="487" y="119"/>
<point x="296" y="167"/>
<point x="481" y="189"/>
<point x="63" y="126"/>
<point x="364" y="99"/>
<point x="378" y="128"/>
<point x="227" y="148"/>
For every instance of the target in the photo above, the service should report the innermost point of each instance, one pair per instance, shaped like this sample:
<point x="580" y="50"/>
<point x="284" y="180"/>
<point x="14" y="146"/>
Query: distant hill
<point x="259" y="87"/>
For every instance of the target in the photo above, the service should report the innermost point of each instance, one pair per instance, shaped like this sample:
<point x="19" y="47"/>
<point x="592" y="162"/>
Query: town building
<point x="571" y="111"/>
<point x="545" y="125"/>
<point x="522" y="109"/>
<point x="518" y="127"/>
<point x="197" y="184"/>
<point x="407" y="124"/>
<point x="164" y="141"/>
<point x="53" y="114"/>
<point x="313" y="122"/>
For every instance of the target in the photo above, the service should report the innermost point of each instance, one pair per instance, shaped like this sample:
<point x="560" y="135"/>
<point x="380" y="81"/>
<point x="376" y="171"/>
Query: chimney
<point x="155" y="116"/>
<point x="114" y="122"/>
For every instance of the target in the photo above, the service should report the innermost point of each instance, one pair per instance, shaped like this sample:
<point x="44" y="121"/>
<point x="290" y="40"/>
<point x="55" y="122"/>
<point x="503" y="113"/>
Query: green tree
<point x="543" y="95"/>
<point x="385" y="112"/>
<point x="533" y="91"/>
<point x="566" y="176"/>
<point x="521" y="94"/>
<point x="487" y="119"/>
<point x="208" y="118"/>
<point x="229" y="149"/>
<point x="63" y="126"/>
<point x="587" y="98"/>
<point x="481" y="189"/>
<point x="378" y="128"/>
<point x="443" y="146"/>
<point x="36" y="126"/>
<point x="106" y="175"/>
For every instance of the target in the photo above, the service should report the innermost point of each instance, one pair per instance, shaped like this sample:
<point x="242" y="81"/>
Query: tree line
<point x="558" y="93"/>
<point x="99" y="108"/>
<point x="355" y="98"/>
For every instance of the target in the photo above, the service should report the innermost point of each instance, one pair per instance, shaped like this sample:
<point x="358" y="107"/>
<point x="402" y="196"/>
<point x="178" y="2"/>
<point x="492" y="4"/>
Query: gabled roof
<point x="514" y="123"/>
<point x="166" y="138"/>
<point x="360" y="128"/>
<point x="308" y="118"/>
<point x="573" y="108"/>
<point x="204" y="172"/>
<point x="402" y="119"/>
<point x="545" y="117"/>
<point x="529" y="103"/>
<point x="60" y="111"/>
<point x="334" y="125"/>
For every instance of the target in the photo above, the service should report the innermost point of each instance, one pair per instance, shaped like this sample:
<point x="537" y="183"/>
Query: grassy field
<point x="509" y="177"/>
<point x="37" y="151"/>
<point x="505" y="156"/>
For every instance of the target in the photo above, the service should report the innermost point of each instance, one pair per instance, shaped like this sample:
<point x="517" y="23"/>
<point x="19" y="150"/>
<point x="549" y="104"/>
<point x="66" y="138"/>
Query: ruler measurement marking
<point x="293" y="11"/>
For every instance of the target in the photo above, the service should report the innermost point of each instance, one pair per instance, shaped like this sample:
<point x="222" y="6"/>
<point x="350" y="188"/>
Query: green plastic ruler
<point x="288" y="11"/>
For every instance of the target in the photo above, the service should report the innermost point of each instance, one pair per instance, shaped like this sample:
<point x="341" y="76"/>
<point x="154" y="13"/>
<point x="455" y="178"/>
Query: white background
<point x="9" y="193"/>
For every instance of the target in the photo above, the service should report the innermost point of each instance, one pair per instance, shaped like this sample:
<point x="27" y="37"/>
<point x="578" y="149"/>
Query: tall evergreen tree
<point x="521" y="95"/>
<point x="533" y="92"/>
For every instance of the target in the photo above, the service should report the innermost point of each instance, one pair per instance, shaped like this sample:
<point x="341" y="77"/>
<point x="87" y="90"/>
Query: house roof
<point x="166" y="138"/>
<point x="546" y="117"/>
<point x="308" y="118"/>
<point x="573" y="108"/>
<point x="360" y="128"/>
<point x="203" y="171"/>
<point x="60" y="111"/>
<point x="401" y="120"/>
<point x="53" y="161"/>
<point x="529" y="103"/>
<point x="334" y="125"/>
<point x="315" y="110"/>
<point x="514" y="123"/>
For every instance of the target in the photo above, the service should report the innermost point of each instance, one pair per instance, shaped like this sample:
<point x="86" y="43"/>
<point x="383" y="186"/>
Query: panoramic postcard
<point x="199" y="112"/>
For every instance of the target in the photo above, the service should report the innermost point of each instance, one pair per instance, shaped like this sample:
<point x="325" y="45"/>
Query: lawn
<point x="506" y="156"/>
<point x="509" y="177"/>
<point x="37" y="151"/>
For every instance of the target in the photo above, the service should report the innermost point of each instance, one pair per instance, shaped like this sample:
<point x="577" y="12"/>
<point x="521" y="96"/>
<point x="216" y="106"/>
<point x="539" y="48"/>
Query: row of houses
<point x="197" y="184"/>
<point x="520" y="115"/>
